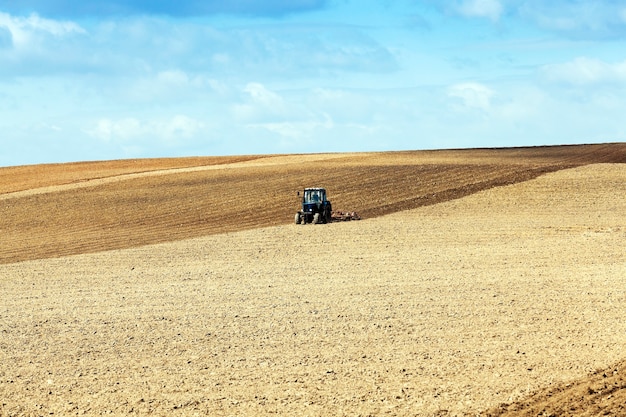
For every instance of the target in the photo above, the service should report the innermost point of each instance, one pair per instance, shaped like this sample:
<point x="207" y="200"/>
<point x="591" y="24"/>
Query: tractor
<point x="315" y="207"/>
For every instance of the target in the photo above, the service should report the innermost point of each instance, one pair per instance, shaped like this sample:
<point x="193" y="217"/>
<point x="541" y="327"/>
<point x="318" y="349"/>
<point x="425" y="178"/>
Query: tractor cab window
<point x="314" y="196"/>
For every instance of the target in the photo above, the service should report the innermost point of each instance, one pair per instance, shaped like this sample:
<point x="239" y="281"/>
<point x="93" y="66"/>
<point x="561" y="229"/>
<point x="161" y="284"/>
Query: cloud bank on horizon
<point x="131" y="79"/>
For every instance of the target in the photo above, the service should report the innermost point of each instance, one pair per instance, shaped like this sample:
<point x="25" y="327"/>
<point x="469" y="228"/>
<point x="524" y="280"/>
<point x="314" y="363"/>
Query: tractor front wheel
<point x="316" y="218"/>
<point x="297" y="219"/>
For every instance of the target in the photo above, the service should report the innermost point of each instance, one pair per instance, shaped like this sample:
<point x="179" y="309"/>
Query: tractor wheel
<point x="316" y="218"/>
<point x="297" y="219"/>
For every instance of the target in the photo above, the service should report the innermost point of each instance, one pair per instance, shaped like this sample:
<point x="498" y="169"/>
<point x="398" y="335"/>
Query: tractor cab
<point x="314" y="196"/>
<point x="315" y="207"/>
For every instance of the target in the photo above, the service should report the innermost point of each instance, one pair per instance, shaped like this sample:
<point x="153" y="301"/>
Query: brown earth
<point x="57" y="210"/>
<point x="499" y="303"/>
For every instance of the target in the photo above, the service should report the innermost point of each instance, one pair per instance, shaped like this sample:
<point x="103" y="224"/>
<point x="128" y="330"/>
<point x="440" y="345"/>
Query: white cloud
<point x="25" y="30"/>
<point x="586" y="71"/>
<point x="180" y="127"/>
<point x="170" y="86"/>
<point x="6" y="38"/>
<point x="262" y="96"/>
<point x="173" y="77"/>
<point x="128" y="129"/>
<point x="36" y="45"/>
<point x="118" y="130"/>
<point x="582" y="19"/>
<point x="141" y="46"/>
<point x="260" y="104"/>
<point x="472" y="95"/>
<point x="298" y="129"/>
<point x="491" y="9"/>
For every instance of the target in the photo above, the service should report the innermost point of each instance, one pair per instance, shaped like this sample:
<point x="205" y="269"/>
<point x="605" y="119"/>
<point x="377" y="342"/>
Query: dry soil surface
<point x="506" y="300"/>
<point x="54" y="210"/>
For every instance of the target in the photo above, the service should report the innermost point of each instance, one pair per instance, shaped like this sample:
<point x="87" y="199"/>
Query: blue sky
<point x="120" y="79"/>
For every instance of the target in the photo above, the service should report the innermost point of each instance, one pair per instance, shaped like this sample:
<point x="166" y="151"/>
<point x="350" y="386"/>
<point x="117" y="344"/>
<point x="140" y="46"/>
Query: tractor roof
<point x="314" y="189"/>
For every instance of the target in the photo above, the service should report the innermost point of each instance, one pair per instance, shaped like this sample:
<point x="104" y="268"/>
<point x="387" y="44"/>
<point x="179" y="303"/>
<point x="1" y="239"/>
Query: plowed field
<point x="480" y="282"/>
<point x="57" y="210"/>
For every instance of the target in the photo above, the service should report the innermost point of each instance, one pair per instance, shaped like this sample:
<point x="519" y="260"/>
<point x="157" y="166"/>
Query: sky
<point x="121" y="79"/>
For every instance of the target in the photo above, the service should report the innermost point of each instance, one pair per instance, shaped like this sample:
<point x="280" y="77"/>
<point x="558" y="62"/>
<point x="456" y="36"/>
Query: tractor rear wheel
<point x="327" y="216"/>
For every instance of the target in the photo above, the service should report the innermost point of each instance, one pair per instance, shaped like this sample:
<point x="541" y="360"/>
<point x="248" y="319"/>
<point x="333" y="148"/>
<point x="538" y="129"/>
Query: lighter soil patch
<point x="448" y="309"/>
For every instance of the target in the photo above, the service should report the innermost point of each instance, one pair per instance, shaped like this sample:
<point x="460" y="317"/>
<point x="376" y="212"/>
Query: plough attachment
<point x="343" y="216"/>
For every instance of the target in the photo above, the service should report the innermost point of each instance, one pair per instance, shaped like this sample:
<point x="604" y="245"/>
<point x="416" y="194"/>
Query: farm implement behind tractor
<point x="316" y="208"/>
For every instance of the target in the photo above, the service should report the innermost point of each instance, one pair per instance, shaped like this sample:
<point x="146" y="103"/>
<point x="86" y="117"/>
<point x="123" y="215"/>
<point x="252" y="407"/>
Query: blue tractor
<point x="315" y="207"/>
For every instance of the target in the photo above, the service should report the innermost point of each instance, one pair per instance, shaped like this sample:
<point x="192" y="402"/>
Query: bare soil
<point x="482" y="282"/>
<point x="57" y="210"/>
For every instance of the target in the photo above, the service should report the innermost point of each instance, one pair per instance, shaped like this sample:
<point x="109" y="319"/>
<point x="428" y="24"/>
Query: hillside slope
<point x="495" y="304"/>
<point x="55" y="210"/>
